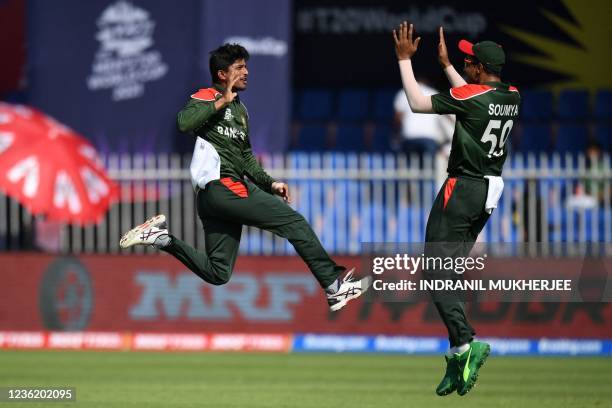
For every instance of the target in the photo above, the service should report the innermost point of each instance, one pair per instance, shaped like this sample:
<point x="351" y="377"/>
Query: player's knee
<point x="221" y="273"/>
<point x="219" y="280"/>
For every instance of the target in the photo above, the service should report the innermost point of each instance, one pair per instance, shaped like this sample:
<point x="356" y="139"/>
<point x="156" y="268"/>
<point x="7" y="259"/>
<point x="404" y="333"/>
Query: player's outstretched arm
<point x="405" y="48"/>
<point x="453" y="76"/>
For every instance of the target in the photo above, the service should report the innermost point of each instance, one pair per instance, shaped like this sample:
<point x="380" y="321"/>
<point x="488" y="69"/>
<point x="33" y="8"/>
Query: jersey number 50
<point x="488" y="137"/>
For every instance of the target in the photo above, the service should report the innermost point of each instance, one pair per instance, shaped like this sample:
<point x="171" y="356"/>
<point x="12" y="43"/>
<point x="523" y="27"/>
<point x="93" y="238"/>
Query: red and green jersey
<point x="223" y="148"/>
<point x="485" y="116"/>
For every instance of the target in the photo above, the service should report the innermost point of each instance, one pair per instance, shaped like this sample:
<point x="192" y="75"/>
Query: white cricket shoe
<point x="349" y="289"/>
<point x="153" y="229"/>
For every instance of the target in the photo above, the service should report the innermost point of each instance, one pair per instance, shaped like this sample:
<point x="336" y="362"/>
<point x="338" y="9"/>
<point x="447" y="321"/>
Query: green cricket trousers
<point x="224" y="206"/>
<point x="456" y="218"/>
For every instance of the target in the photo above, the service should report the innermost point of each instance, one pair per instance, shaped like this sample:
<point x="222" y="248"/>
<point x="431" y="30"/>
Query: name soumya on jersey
<point x="485" y="116"/>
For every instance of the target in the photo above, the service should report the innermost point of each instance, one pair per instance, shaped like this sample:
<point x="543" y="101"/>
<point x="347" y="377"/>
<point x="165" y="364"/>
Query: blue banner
<point x="264" y="28"/>
<point x="438" y="345"/>
<point x="116" y="71"/>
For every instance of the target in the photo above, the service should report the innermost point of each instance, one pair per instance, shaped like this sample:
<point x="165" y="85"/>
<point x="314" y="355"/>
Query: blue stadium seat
<point x="383" y="104"/>
<point x="314" y="104"/>
<point x="311" y="138"/>
<point x="603" y="136"/>
<point x="603" y="105"/>
<point x="381" y="141"/>
<point x="573" y="104"/>
<point x="349" y="138"/>
<point x="536" y="105"/>
<point x="535" y="138"/>
<point x="353" y="104"/>
<point x="571" y="138"/>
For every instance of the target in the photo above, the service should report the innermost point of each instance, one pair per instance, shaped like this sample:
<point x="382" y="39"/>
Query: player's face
<point x="240" y="68"/>
<point x="470" y="67"/>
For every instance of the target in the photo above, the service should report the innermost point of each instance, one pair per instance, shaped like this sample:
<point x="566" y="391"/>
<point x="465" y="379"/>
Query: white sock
<point x="461" y="349"/>
<point x="162" y="241"/>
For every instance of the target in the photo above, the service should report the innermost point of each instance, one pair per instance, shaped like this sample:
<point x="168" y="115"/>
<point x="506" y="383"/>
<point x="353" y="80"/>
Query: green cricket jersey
<point x="223" y="148"/>
<point x="485" y="116"/>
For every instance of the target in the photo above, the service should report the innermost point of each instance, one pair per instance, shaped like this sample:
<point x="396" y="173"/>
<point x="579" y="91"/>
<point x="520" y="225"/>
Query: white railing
<point x="348" y="199"/>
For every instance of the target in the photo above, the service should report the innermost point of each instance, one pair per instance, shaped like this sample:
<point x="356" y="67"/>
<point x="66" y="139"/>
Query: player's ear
<point x="222" y="75"/>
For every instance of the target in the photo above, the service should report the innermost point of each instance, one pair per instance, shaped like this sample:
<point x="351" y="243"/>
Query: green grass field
<point x="139" y="379"/>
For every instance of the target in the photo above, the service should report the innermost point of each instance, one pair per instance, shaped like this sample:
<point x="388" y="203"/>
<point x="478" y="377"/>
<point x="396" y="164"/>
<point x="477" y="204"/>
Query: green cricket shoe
<point x="451" y="377"/>
<point x="469" y="363"/>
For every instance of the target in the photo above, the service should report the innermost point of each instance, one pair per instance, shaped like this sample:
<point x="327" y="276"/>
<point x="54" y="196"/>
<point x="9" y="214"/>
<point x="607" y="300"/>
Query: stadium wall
<point x="156" y="294"/>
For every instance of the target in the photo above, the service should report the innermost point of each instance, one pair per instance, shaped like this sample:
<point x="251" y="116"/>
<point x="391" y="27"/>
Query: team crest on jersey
<point x="228" y="114"/>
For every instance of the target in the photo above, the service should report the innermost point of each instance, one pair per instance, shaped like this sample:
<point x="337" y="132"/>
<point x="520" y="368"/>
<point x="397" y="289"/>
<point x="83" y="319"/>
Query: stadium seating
<point x="571" y="138"/>
<point x="573" y="105"/>
<point x="603" y="136"/>
<point x="311" y="138"/>
<point x="353" y="105"/>
<point x="535" y="138"/>
<point x="315" y="104"/>
<point x="381" y="139"/>
<point x="536" y="105"/>
<point x="363" y="118"/>
<point x="603" y="105"/>
<point x="383" y="110"/>
<point x="349" y="138"/>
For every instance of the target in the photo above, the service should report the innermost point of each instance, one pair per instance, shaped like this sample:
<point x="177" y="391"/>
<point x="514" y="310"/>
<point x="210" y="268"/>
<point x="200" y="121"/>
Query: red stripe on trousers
<point x="448" y="189"/>
<point x="236" y="187"/>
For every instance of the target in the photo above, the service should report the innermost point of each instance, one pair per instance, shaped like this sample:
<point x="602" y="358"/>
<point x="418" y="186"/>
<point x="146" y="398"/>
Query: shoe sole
<point x="130" y="238"/>
<point x="449" y="392"/>
<point x="474" y="375"/>
<point x="343" y="302"/>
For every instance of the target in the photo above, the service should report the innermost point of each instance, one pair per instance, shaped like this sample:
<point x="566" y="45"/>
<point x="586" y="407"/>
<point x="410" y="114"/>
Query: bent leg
<point x="265" y="211"/>
<point x="222" y="240"/>
<point x="216" y="265"/>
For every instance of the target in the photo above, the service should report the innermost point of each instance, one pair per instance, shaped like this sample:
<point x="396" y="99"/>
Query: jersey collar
<point x="497" y="84"/>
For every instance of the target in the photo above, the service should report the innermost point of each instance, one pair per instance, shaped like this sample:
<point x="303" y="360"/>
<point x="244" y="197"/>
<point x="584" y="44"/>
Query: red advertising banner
<point x="157" y="294"/>
<point x="145" y="341"/>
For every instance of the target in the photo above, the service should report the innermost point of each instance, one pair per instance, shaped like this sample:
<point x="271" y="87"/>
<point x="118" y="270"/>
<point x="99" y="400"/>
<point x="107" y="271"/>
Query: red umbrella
<point x="50" y="169"/>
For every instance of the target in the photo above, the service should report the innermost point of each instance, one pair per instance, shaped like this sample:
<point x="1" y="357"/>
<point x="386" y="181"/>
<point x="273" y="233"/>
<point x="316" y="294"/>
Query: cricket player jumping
<point x="486" y="109"/>
<point x="226" y="201"/>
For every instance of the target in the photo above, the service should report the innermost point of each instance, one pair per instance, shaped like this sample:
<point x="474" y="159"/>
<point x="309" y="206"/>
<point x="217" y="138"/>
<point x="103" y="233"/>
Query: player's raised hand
<point x="405" y="47"/>
<point x="282" y="190"/>
<point x="442" y="50"/>
<point x="228" y="93"/>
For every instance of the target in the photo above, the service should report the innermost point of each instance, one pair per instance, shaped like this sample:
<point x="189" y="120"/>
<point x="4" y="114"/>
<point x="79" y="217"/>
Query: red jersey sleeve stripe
<point x="469" y="91"/>
<point x="208" y="94"/>
<point x="513" y="89"/>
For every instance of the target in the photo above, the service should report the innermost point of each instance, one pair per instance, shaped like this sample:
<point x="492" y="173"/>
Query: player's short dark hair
<point x="224" y="56"/>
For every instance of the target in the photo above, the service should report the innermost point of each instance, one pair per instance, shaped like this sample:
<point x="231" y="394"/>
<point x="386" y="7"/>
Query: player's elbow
<point x="183" y="124"/>
<point x="421" y="105"/>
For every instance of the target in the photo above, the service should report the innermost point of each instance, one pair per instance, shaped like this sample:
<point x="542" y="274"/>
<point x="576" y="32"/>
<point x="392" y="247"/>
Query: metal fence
<point x="348" y="199"/>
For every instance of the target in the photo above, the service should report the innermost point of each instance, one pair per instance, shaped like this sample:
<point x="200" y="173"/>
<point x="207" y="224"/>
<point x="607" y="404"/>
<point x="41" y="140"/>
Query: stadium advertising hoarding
<point x="139" y="62"/>
<point x="156" y="294"/>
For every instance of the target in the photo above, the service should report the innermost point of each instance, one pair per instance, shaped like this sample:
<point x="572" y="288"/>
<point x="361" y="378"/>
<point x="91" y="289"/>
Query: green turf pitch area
<point x="138" y="379"/>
